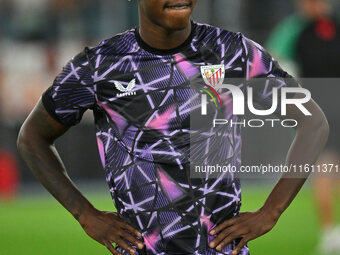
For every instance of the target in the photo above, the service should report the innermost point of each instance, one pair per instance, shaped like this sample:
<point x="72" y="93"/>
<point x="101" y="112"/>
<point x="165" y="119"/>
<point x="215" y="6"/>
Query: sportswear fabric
<point x="143" y="101"/>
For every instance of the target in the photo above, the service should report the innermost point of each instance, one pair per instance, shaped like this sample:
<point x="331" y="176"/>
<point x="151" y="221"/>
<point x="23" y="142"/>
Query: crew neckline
<point x="175" y="50"/>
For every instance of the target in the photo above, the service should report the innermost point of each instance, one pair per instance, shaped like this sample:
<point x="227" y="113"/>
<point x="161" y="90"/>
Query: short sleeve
<point x="264" y="73"/>
<point x="72" y="91"/>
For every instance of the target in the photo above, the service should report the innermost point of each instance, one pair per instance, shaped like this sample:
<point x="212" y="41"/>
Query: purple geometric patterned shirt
<point x="141" y="101"/>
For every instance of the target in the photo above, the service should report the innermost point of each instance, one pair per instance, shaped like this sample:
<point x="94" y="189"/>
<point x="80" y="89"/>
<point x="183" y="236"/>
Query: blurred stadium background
<point x="37" y="37"/>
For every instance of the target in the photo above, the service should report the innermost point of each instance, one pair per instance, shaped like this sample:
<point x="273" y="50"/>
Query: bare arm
<point x="311" y="136"/>
<point x="36" y="146"/>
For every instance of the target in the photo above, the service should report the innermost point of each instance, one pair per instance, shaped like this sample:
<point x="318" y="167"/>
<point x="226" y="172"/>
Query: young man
<point x="139" y="85"/>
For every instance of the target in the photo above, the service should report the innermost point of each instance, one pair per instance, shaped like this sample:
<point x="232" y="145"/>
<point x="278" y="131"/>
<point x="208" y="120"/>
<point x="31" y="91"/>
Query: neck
<point x="161" y="38"/>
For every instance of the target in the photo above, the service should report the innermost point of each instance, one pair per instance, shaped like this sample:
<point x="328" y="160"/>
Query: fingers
<point x="220" y="244"/>
<point x="126" y="232"/>
<point x="133" y="230"/>
<point x="223" y="225"/>
<point x="225" y="233"/>
<point x="123" y="224"/>
<point x="246" y="226"/>
<point x="122" y="244"/>
<point x="125" y="246"/>
<point x="133" y="240"/>
<point x="226" y="241"/>
<point x="228" y="231"/>
<point x="238" y="248"/>
<point x="111" y="248"/>
<point x="107" y="228"/>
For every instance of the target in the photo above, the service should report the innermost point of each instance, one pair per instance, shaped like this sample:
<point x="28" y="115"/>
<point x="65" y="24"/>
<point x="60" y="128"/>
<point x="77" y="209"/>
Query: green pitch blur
<point x="39" y="225"/>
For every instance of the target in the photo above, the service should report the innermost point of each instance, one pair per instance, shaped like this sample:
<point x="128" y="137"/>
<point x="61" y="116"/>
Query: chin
<point x="177" y="23"/>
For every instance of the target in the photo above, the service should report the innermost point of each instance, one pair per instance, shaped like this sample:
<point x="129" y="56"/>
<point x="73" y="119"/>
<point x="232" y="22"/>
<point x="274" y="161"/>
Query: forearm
<point x="305" y="149"/>
<point x="249" y="225"/>
<point x="46" y="165"/>
<point x="36" y="146"/>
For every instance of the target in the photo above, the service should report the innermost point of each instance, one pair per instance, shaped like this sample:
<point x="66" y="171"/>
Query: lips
<point x="178" y="5"/>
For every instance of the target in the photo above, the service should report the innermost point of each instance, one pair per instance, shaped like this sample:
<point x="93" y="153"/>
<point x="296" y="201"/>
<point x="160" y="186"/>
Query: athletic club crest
<point x="213" y="75"/>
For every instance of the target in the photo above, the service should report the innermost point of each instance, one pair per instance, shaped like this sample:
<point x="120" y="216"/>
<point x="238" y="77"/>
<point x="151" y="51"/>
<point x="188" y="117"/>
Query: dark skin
<point x="311" y="137"/>
<point x="163" y="27"/>
<point x="36" y="146"/>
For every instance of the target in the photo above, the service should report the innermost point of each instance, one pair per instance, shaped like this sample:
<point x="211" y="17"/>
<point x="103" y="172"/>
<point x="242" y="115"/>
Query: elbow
<point x="316" y="128"/>
<point x="321" y="128"/>
<point x="29" y="139"/>
<point x="26" y="140"/>
<point x="325" y="129"/>
<point x="22" y="140"/>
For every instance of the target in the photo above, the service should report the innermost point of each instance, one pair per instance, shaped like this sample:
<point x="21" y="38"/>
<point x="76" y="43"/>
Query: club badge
<point x="213" y="75"/>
